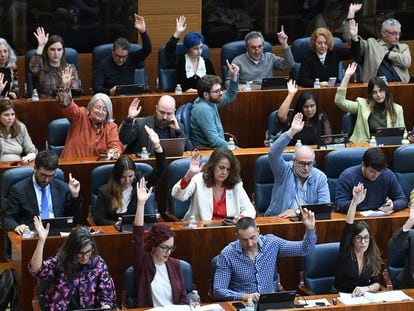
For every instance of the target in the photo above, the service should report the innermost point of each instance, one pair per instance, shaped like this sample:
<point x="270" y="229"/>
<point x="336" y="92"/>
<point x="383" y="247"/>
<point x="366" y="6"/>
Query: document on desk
<point x="383" y="296"/>
<point x="372" y="213"/>
<point x="210" y="307"/>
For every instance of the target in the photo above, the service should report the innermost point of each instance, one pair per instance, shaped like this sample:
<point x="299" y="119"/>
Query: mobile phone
<point x="238" y="305"/>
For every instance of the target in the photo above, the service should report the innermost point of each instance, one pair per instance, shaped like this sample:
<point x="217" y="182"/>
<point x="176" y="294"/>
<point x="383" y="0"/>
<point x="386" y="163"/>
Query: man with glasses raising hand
<point x="296" y="182"/>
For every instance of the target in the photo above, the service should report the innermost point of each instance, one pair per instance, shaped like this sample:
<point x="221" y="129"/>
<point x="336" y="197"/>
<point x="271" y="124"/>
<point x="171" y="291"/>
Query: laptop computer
<point x="278" y="300"/>
<point x="275" y="83"/>
<point x="389" y="135"/>
<point x="132" y="89"/>
<point x="322" y="210"/>
<point x="333" y="141"/>
<point x="59" y="224"/>
<point x="127" y="222"/>
<point x="173" y="146"/>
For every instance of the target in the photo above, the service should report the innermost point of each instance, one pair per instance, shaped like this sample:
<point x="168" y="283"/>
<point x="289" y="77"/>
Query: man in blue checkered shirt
<point x="246" y="267"/>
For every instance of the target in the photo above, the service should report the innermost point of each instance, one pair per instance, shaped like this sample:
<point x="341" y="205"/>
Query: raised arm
<point x="42" y="232"/>
<point x="142" y="196"/>
<point x="283" y="111"/>
<point x="42" y="38"/>
<point x="358" y="195"/>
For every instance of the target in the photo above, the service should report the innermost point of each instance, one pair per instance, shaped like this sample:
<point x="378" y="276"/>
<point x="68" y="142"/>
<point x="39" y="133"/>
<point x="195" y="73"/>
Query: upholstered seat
<point x="57" y="131"/>
<point x="403" y="167"/>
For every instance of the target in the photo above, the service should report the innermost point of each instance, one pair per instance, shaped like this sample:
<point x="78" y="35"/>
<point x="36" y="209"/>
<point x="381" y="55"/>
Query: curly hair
<point x="158" y="234"/>
<point x="216" y="156"/>
<point x="324" y="32"/>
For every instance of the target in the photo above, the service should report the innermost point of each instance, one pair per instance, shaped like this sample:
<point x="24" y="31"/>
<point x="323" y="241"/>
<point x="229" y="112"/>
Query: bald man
<point x="296" y="182"/>
<point x="163" y="121"/>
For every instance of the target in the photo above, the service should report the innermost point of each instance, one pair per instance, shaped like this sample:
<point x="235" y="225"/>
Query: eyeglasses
<point x="47" y="176"/>
<point x="394" y="33"/>
<point x="255" y="48"/>
<point x="217" y="91"/>
<point x="360" y="238"/>
<point x="304" y="163"/>
<point x="100" y="108"/>
<point x="87" y="253"/>
<point x="167" y="249"/>
<point x="120" y="57"/>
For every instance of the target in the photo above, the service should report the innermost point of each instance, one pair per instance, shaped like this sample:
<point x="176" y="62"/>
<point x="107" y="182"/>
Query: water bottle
<point x="194" y="301"/>
<point x="192" y="224"/>
<point x="298" y="144"/>
<point x="405" y="140"/>
<point x="317" y="84"/>
<point x="249" y="305"/>
<point x="231" y="145"/>
<point x="144" y="153"/>
<point x="178" y="90"/>
<point x="372" y="142"/>
<point x="247" y="86"/>
<point x="35" y="95"/>
<point x="27" y="234"/>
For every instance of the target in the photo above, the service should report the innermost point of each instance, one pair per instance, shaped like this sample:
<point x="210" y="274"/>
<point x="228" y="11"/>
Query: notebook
<point x="389" y="135"/>
<point x="333" y="141"/>
<point x="127" y="222"/>
<point x="278" y="300"/>
<point x="173" y="146"/>
<point x="275" y="83"/>
<point x="131" y="89"/>
<point x="322" y="210"/>
<point x="59" y="224"/>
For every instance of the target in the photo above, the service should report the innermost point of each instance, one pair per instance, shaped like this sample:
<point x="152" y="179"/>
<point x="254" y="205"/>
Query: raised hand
<point x="181" y="26"/>
<point x="297" y="123"/>
<point x="74" y="186"/>
<point x="41" y="36"/>
<point x="134" y="109"/>
<point x="354" y="8"/>
<point x="2" y="82"/>
<point x="359" y="193"/>
<point x="139" y="23"/>
<point x="282" y="37"/>
<point x="308" y="218"/>
<point x="233" y="69"/>
<point x="350" y="70"/>
<point x="42" y="232"/>
<point x="152" y="135"/>
<point x="66" y="76"/>
<point x="292" y="87"/>
<point x="195" y="164"/>
<point x="353" y="29"/>
<point x="142" y="192"/>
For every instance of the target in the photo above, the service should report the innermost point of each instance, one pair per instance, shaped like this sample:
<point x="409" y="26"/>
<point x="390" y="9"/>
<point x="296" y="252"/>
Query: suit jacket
<point x="133" y="134"/>
<point x="403" y="242"/>
<point x="21" y="203"/>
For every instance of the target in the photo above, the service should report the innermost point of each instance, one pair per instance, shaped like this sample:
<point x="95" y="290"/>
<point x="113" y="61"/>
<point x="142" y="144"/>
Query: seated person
<point x="15" y="141"/>
<point x="48" y="62"/>
<point x="81" y="276"/>
<point x="118" y="196"/>
<point x="376" y="111"/>
<point x="255" y="64"/>
<point x="92" y="130"/>
<point x="316" y="121"/>
<point x="385" y="56"/>
<point x="296" y="182"/>
<point x="215" y="189"/>
<point x="206" y="127"/>
<point x="402" y="241"/>
<point x="322" y="62"/>
<point x="41" y="194"/>
<point x="190" y="66"/>
<point x="119" y="67"/>
<point x="358" y="267"/>
<point x="246" y="267"/>
<point x="384" y="192"/>
<point x="163" y="121"/>
<point x="159" y="276"/>
<point x="8" y="70"/>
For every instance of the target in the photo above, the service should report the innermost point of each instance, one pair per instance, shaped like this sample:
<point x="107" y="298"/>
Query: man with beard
<point x="164" y="123"/>
<point x="206" y="127"/>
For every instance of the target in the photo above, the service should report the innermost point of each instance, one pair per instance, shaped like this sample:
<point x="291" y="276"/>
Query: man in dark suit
<point x="41" y="194"/>
<point x="163" y="122"/>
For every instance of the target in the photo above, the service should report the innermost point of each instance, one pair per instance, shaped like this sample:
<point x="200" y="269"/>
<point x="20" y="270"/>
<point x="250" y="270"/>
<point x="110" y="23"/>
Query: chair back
<point x="403" y="167"/>
<point x="395" y="264"/>
<point x="273" y="125"/>
<point x="348" y="123"/>
<point x="337" y="161"/>
<point x="57" y="131"/>
<point x="183" y="115"/>
<point x="263" y="181"/>
<point x="71" y="56"/>
<point x="232" y="49"/>
<point x="319" y="268"/>
<point x="100" y="176"/>
<point x="167" y="73"/>
<point x="175" y="171"/>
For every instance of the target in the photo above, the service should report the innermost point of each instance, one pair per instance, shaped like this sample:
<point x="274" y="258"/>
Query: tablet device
<point x="173" y="147"/>
<point x="127" y="222"/>
<point x="132" y="89"/>
<point x="389" y="135"/>
<point x="322" y="210"/>
<point x="275" y="83"/>
<point x="59" y="224"/>
<point x="278" y="300"/>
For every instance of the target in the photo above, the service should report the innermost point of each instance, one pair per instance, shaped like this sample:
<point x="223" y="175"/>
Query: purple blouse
<point x="96" y="287"/>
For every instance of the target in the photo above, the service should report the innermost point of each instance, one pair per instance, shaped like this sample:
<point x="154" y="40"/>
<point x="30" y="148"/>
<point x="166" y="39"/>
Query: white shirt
<point x="201" y="70"/>
<point x="161" y="287"/>
<point x="126" y="198"/>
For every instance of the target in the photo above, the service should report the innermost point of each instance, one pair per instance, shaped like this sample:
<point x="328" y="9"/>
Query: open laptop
<point x="132" y="89"/>
<point x="127" y="222"/>
<point x="333" y="141"/>
<point x="59" y="224"/>
<point x="322" y="210"/>
<point x="389" y="135"/>
<point x="173" y="146"/>
<point x="278" y="300"/>
<point x="275" y="83"/>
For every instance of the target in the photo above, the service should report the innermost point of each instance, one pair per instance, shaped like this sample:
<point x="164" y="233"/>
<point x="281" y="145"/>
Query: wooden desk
<point x="225" y="305"/>
<point x="198" y="246"/>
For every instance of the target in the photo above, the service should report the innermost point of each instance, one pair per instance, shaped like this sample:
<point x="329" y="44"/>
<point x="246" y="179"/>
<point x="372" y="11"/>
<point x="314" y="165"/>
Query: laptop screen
<point x="278" y="300"/>
<point x="275" y="83"/>
<point x="59" y="224"/>
<point x="321" y="210"/>
<point x="173" y="147"/>
<point x="132" y="89"/>
<point x="389" y="135"/>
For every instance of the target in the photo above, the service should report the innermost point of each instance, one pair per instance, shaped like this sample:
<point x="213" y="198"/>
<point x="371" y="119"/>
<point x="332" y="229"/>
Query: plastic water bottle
<point x="298" y="144"/>
<point x="317" y="84"/>
<point x="35" y="95"/>
<point x="249" y="305"/>
<point x="194" y="301"/>
<point x="372" y="142"/>
<point x="405" y="140"/>
<point x="192" y="224"/>
<point x="178" y="90"/>
<point x="247" y="86"/>
<point x="144" y="153"/>
<point x="231" y="145"/>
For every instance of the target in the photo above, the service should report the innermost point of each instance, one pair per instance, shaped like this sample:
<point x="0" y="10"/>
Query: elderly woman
<point x="92" y="131"/>
<point x="80" y="276"/>
<point x="48" y="62"/>
<point x="15" y="141"/>
<point x="8" y="70"/>
<point x="190" y="66"/>
<point x="322" y="62"/>
<point x="215" y="189"/>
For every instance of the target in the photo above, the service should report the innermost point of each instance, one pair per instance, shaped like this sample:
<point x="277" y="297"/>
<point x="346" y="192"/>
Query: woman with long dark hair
<point x="80" y="276"/>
